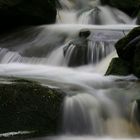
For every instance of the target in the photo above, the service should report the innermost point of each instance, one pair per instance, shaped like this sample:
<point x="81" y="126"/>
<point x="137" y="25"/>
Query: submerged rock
<point x="78" y="55"/>
<point x="28" y="106"/>
<point x="118" y="67"/>
<point x="76" y="52"/>
<point x="16" y="13"/>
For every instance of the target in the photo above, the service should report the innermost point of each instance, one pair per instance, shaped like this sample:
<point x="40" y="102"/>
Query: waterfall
<point x="104" y="15"/>
<point x="95" y="52"/>
<point x="82" y="115"/>
<point x="95" y="106"/>
<point x="41" y="49"/>
<point x="92" y="13"/>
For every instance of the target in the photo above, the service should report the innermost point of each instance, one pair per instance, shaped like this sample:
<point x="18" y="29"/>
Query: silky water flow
<point x="96" y="106"/>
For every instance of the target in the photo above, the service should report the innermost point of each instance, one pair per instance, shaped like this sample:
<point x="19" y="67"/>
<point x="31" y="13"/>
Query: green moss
<point x="26" y="105"/>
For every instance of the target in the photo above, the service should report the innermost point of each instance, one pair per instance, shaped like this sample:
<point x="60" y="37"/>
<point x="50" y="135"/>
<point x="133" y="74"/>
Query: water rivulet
<point x="73" y="55"/>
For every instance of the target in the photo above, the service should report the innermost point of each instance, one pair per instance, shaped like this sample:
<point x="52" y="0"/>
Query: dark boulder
<point x="76" y="52"/>
<point x="28" y="106"/>
<point x="128" y="50"/>
<point x="126" y="46"/>
<point x="131" y="7"/>
<point x="118" y="67"/>
<point x="16" y="13"/>
<point x="76" y="55"/>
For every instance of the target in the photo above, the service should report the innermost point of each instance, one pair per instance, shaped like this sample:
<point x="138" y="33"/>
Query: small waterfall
<point x="102" y="49"/>
<point x="104" y="15"/>
<point x="92" y="54"/>
<point x="91" y="50"/>
<point x="91" y="12"/>
<point x="82" y="115"/>
<point x="63" y="51"/>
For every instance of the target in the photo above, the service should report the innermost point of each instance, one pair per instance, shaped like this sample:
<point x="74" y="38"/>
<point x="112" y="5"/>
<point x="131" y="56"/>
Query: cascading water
<point x="95" y="105"/>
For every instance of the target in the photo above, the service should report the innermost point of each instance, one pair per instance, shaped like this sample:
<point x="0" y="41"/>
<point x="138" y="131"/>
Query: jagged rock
<point x="131" y="7"/>
<point x="126" y="46"/>
<point x="27" y="106"/>
<point x="16" y="13"/>
<point x="118" y="67"/>
<point x="128" y="49"/>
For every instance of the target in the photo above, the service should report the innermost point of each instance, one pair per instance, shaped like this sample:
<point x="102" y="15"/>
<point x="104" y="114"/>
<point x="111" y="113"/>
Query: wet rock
<point x="118" y="67"/>
<point x="78" y="55"/>
<point x="76" y="52"/>
<point x="131" y="7"/>
<point x="126" y="46"/>
<point x="28" y="106"/>
<point x="128" y="50"/>
<point x="16" y="13"/>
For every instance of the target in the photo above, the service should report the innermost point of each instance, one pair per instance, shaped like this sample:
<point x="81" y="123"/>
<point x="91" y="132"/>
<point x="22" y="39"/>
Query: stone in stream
<point x="77" y="49"/>
<point x="118" y="67"/>
<point x="28" y="106"/>
<point x="126" y="46"/>
<point x="128" y="50"/>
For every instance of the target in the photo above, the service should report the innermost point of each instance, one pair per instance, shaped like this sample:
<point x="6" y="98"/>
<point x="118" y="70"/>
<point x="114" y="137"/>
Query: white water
<point x="96" y="106"/>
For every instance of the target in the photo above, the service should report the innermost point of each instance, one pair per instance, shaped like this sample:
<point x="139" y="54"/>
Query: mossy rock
<point x="126" y="46"/>
<point x="16" y="13"/>
<point x="131" y="7"/>
<point x="118" y="67"/>
<point x="28" y="106"/>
